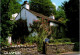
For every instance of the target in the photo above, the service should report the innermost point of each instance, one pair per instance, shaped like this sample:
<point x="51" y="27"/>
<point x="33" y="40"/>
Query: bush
<point x="30" y="39"/>
<point x="35" y="39"/>
<point x="4" y="42"/>
<point x="51" y="41"/>
<point x="76" y="46"/>
<point x="20" y="29"/>
<point x="63" y="40"/>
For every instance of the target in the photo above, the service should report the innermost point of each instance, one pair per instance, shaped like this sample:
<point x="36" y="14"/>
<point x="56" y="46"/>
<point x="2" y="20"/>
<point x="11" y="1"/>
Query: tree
<point x="8" y="7"/>
<point x="60" y="13"/>
<point x="42" y="6"/>
<point x="61" y="17"/>
<point x="71" y="9"/>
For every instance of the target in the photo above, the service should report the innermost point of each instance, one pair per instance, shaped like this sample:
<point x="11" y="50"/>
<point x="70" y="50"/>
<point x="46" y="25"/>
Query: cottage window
<point x="38" y="17"/>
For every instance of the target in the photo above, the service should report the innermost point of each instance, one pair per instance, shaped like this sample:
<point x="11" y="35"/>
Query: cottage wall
<point x="25" y="14"/>
<point x="53" y="24"/>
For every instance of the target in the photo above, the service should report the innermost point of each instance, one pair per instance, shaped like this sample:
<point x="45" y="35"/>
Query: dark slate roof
<point x="42" y="16"/>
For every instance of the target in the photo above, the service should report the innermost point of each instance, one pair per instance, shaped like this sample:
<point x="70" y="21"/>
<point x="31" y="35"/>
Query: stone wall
<point x="32" y="49"/>
<point x="23" y="50"/>
<point x="61" y="48"/>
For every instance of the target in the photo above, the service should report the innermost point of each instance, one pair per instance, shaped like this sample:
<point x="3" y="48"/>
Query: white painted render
<point x="53" y="24"/>
<point x="14" y="15"/>
<point x="25" y="14"/>
<point x="9" y="39"/>
<point x="52" y="17"/>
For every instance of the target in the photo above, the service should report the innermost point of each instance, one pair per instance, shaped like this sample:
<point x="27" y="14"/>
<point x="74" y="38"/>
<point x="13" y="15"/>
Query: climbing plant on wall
<point x="20" y="30"/>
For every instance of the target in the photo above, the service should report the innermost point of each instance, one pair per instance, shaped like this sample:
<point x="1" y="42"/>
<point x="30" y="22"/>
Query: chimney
<point x="25" y="5"/>
<point x="52" y="16"/>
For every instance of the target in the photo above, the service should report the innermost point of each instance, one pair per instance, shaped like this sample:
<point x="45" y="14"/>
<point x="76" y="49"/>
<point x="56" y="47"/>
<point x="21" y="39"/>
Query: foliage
<point x="54" y="32"/>
<point x="62" y="20"/>
<point x="41" y="28"/>
<point x="8" y="7"/>
<point x="58" y="32"/>
<point x="41" y="39"/>
<point x="30" y="39"/>
<point x="35" y="39"/>
<point x="60" y="13"/>
<point x="42" y="6"/>
<point x="45" y="31"/>
<point x="76" y="46"/>
<point x="61" y="41"/>
<point x="71" y="9"/>
<point x="20" y="30"/>
<point x="3" y="42"/>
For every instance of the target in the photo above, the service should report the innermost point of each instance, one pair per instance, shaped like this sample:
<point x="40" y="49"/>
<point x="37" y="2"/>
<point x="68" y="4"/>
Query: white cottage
<point x="30" y="15"/>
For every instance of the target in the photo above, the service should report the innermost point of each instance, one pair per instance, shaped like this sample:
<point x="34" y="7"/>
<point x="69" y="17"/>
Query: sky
<point x="55" y="2"/>
<point x="58" y="2"/>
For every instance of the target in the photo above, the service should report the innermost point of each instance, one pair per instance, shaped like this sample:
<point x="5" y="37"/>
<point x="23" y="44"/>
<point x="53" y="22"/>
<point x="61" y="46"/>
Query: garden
<point x="59" y="37"/>
<point x="21" y="35"/>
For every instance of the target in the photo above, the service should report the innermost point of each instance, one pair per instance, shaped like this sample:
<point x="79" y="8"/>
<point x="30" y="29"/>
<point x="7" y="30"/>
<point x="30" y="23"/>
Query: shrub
<point x="30" y="39"/>
<point x="76" y="46"/>
<point x="63" y="40"/>
<point x="41" y="27"/>
<point x="4" y="42"/>
<point x="20" y="29"/>
<point x="35" y="39"/>
<point x="51" y="41"/>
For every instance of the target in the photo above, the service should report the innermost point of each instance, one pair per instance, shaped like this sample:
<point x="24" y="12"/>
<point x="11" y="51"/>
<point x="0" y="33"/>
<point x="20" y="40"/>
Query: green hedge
<point x="61" y="41"/>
